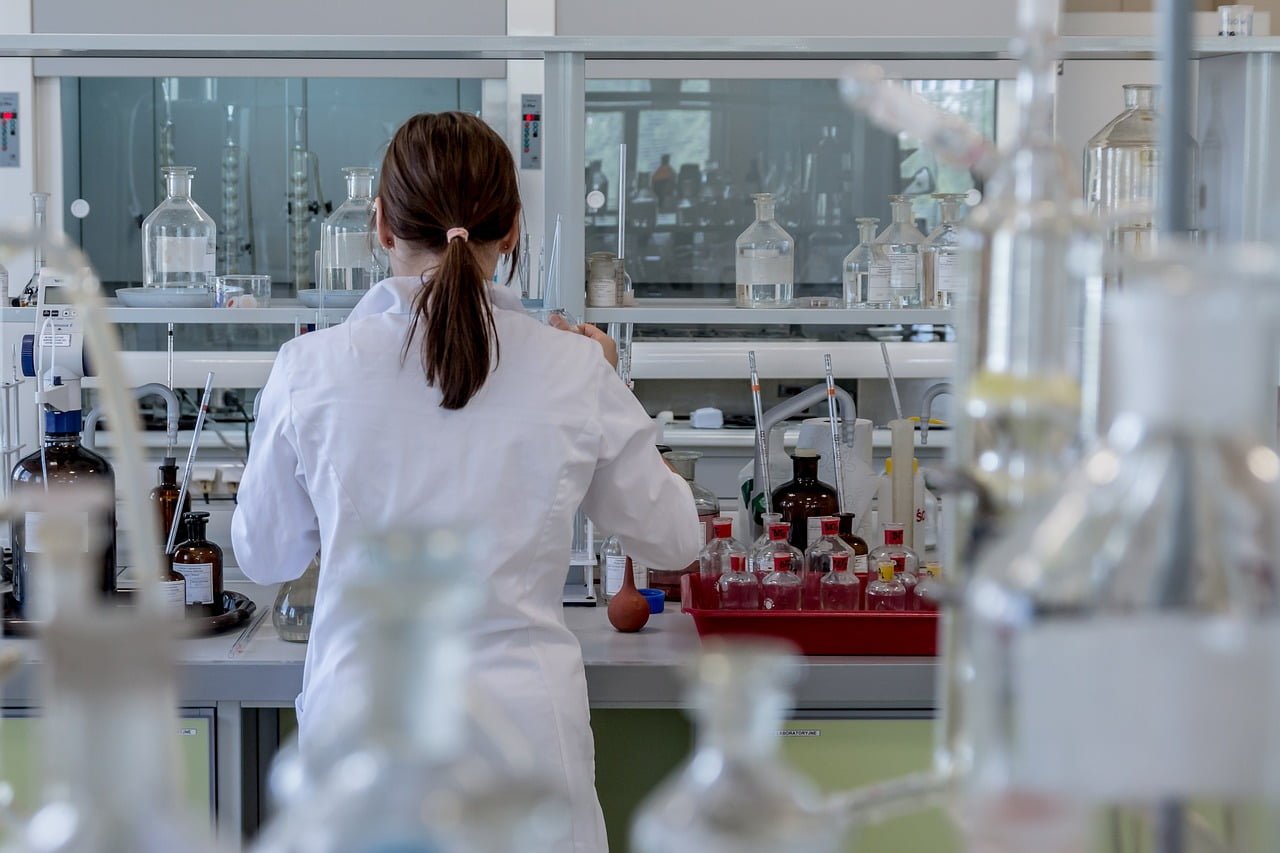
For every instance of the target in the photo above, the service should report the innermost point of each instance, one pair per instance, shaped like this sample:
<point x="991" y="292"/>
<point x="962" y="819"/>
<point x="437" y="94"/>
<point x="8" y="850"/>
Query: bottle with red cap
<point x="886" y="592"/>
<point x="817" y="560"/>
<point x="780" y="589"/>
<point x="762" y="556"/>
<point x="905" y="562"/>
<point x="738" y="588"/>
<point x="713" y="561"/>
<point x="840" y="588"/>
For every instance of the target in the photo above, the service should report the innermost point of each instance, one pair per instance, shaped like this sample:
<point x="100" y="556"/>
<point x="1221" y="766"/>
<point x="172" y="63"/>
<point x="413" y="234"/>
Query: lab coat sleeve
<point x="633" y="494"/>
<point x="274" y="531"/>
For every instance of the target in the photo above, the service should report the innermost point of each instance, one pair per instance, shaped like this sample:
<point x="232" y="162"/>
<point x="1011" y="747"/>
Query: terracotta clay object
<point x="628" y="611"/>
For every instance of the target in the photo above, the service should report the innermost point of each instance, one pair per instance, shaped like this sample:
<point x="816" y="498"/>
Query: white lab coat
<point x="348" y="439"/>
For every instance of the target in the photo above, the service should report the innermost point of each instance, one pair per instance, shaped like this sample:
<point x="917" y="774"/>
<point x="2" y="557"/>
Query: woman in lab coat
<point x="440" y="402"/>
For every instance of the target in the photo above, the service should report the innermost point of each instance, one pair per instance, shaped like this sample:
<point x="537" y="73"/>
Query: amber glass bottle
<point x="805" y="498"/>
<point x="164" y="498"/>
<point x="199" y="561"/>
<point x="858" y="565"/>
<point x="67" y="463"/>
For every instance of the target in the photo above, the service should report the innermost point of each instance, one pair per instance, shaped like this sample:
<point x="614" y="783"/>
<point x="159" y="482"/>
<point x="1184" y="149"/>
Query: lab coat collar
<point x="395" y="295"/>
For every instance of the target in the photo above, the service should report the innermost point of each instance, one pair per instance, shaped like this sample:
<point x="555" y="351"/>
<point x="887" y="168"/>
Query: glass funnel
<point x="857" y="266"/>
<point x="179" y="239"/>
<point x="766" y="273"/>
<point x="346" y="242"/>
<point x="395" y="768"/>
<point x="897" y="278"/>
<point x="1150" y="577"/>
<point x="735" y="794"/>
<point x="945" y="271"/>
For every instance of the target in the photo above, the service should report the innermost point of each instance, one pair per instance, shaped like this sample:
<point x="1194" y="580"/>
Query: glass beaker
<point x="180" y="240"/>
<point x="295" y="605"/>
<point x="765" y="268"/>
<point x="735" y="794"/>
<point x="896" y="277"/>
<point x="346" y="241"/>
<point x="857" y="266"/>
<point x="945" y="271"/>
<point x="708" y="505"/>
<point x="1150" y="577"/>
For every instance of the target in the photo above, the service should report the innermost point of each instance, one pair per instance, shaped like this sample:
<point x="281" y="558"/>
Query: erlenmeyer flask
<point x="1150" y="581"/>
<point x="393" y="769"/>
<point x="735" y="794"/>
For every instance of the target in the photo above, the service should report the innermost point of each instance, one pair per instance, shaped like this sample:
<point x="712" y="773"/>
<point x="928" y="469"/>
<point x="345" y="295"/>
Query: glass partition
<point x="697" y="149"/>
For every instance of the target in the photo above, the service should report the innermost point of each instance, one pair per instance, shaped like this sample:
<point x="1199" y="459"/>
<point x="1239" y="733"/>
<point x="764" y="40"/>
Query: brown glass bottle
<point x="164" y="498"/>
<point x="858" y="565"/>
<point x="67" y="463"/>
<point x="199" y="561"/>
<point x="804" y="498"/>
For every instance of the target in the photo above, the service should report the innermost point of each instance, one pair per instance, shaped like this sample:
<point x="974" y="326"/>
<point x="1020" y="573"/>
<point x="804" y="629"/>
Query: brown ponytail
<point x="448" y="171"/>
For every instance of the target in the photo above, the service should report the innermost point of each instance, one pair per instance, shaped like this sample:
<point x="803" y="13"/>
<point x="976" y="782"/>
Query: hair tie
<point x="456" y="232"/>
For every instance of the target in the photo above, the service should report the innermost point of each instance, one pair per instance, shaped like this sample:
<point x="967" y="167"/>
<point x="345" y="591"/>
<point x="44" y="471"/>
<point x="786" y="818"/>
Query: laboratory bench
<point x="242" y="680"/>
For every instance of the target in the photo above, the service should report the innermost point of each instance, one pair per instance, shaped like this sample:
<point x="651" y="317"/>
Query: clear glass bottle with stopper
<point x="945" y="270"/>
<point x="738" y="588"/>
<point x="715" y="559"/>
<point x="840" y="589"/>
<point x="295" y="605"/>
<point x="781" y="588"/>
<point x="886" y="592"/>
<point x="346" y="244"/>
<point x="765" y="260"/>
<point x="425" y="784"/>
<point x="818" y="560"/>
<point x="858" y="264"/>
<point x="905" y="562"/>
<point x="896" y="277"/>
<point x="776" y="542"/>
<point x="180" y="240"/>
<point x="735" y="794"/>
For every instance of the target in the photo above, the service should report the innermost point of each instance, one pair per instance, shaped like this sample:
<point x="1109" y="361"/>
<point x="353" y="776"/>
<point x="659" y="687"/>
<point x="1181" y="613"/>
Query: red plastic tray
<point x="818" y="633"/>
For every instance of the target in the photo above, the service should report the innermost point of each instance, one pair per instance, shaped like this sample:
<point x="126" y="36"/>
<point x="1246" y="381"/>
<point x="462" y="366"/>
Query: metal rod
<point x="191" y="459"/>
<point x="1174" y="41"/>
<point x="835" y="432"/>
<point x="622" y="201"/>
<point x="762" y="436"/>
<point x="893" y="383"/>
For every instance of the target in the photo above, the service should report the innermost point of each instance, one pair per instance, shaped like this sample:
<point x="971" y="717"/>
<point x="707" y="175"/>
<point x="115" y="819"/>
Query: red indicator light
<point x="530" y="117"/>
<point x="6" y="116"/>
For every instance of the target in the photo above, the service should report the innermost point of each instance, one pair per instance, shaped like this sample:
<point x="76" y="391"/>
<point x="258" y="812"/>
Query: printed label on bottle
<point x="174" y="595"/>
<point x="951" y="277"/>
<point x="615" y="569"/>
<point x="814" y="530"/>
<point x="352" y="250"/>
<point x="903" y="271"/>
<point x="183" y="255"/>
<point x="640" y="574"/>
<point x="860" y="564"/>
<point x="210" y="262"/>
<point x="199" y="577"/>
<point x="602" y="293"/>
<point x="33" y="543"/>
<point x="899" y="562"/>
<point x="878" y="277"/>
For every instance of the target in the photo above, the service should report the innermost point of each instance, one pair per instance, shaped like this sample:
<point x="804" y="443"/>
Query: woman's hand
<point x="587" y="330"/>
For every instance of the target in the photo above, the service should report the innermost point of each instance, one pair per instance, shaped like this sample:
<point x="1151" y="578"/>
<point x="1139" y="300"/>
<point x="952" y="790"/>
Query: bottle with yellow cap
<point x="927" y="593"/>
<point x="886" y="592"/>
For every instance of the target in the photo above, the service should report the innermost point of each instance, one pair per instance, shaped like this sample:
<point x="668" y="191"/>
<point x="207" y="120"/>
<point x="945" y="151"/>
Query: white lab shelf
<point x="283" y="312"/>
<point x="669" y="312"/>
<point x="715" y="359"/>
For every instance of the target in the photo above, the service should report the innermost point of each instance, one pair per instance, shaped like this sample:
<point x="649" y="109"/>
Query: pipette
<point x="762" y="439"/>
<point x="835" y="431"/>
<point x="191" y="459"/>
<point x="893" y="383"/>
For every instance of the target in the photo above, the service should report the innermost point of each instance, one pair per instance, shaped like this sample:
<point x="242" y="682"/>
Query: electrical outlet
<point x="786" y="392"/>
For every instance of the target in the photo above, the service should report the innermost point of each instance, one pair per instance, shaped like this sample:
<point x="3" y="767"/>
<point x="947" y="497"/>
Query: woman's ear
<point x="508" y="242"/>
<point x="385" y="238"/>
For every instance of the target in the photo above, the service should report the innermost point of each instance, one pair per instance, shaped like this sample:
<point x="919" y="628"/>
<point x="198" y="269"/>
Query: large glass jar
<point x="765" y="267"/>
<point x="295" y="605"/>
<point x="804" y="500"/>
<point x="685" y="463"/>
<point x="857" y="266"/>
<point x="944" y="269"/>
<point x="180" y="240"/>
<point x="1122" y="170"/>
<point x="896" y="277"/>
<point x="346" y="247"/>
